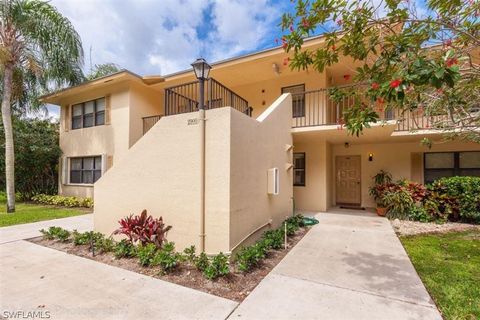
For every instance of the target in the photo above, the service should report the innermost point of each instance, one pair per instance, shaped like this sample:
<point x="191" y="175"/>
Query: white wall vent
<point x="273" y="181"/>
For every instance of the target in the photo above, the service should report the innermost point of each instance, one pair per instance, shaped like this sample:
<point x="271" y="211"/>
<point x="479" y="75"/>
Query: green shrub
<point x="56" y="233"/>
<point x="292" y="229"/>
<point x="86" y="238"/>
<point x="274" y="239"/>
<point x="106" y="245"/>
<point x="440" y="206"/>
<point x="296" y="220"/>
<point x="202" y="262"/>
<point x="419" y="214"/>
<point x="189" y="254"/>
<point x="249" y="257"/>
<point x="466" y="191"/>
<point x="399" y="203"/>
<point x="124" y="249"/>
<point x="166" y="257"/>
<point x="58" y="200"/>
<point x="146" y="254"/>
<point x="218" y="267"/>
<point x="37" y="152"/>
<point x="293" y="224"/>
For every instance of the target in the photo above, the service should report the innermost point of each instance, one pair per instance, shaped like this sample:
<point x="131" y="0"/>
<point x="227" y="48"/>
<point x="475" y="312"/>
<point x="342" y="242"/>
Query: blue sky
<point x="161" y="37"/>
<point x="164" y="36"/>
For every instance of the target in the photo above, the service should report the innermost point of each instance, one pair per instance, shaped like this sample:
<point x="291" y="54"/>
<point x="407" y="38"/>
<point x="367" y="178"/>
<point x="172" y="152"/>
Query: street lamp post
<point x="202" y="69"/>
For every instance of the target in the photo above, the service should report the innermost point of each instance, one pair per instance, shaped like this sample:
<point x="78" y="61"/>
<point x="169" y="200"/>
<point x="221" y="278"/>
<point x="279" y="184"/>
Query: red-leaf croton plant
<point x="143" y="228"/>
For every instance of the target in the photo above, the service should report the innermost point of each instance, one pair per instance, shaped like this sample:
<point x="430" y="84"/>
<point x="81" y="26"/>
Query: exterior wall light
<point x="370" y="157"/>
<point x="346" y="145"/>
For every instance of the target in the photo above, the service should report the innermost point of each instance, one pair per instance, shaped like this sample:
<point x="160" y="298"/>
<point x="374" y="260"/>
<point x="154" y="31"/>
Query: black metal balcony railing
<point x="184" y="98"/>
<point x="318" y="108"/>
<point x="149" y="122"/>
<point x="417" y="120"/>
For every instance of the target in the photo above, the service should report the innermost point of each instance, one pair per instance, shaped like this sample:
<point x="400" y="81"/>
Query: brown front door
<point x="348" y="183"/>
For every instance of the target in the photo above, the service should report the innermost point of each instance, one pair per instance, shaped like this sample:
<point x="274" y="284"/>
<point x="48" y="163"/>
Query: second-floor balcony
<point x="319" y="108"/>
<point x="185" y="98"/>
<point x="309" y="108"/>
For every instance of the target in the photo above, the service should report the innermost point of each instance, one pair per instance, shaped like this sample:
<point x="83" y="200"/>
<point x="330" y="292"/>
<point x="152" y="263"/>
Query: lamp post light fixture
<point x="201" y="69"/>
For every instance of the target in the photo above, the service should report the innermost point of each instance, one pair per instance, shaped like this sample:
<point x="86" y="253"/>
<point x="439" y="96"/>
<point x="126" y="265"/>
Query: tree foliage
<point x="411" y="60"/>
<point x="42" y="45"/>
<point x="39" y="51"/>
<point x="37" y="154"/>
<point x="102" y="70"/>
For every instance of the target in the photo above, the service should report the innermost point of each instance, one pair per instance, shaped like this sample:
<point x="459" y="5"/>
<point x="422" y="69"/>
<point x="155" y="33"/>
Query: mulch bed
<point x="409" y="228"/>
<point x="236" y="286"/>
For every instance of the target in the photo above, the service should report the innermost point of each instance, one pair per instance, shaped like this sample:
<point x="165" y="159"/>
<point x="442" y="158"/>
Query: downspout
<point x="201" y="116"/>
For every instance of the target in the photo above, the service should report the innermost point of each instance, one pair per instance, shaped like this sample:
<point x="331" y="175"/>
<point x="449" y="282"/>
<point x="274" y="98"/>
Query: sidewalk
<point x="39" y="279"/>
<point x="349" y="266"/>
<point x="30" y="230"/>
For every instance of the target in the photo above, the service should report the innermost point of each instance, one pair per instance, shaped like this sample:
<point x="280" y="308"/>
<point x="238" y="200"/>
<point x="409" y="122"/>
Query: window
<point x="86" y="170"/>
<point x="298" y="99"/>
<point x="448" y="164"/>
<point x="299" y="169"/>
<point x="88" y="114"/>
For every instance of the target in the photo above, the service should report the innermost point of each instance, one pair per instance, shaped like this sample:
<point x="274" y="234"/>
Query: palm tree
<point x="39" y="50"/>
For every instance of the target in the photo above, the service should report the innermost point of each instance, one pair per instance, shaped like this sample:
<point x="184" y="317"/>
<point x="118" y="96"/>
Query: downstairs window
<point x="85" y="170"/>
<point x="299" y="169"/>
<point x="449" y="164"/>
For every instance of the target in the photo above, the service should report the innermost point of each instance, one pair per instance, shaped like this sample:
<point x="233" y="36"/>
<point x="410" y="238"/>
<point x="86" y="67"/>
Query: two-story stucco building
<point x="135" y="143"/>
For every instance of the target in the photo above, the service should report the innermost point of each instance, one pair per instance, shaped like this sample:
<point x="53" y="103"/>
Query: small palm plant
<point x="39" y="50"/>
<point x="381" y="182"/>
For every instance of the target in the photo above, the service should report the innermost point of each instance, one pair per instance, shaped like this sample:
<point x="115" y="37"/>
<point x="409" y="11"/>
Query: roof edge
<point x="239" y="57"/>
<point x="147" y="80"/>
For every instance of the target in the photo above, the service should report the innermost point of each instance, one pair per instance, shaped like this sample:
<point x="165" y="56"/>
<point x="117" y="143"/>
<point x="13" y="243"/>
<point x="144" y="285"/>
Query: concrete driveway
<point x="349" y="266"/>
<point x="40" y="283"/>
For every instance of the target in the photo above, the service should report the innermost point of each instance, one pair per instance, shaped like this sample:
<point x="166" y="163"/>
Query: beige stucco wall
<point x="129" y="102"/>
<point x="401" y="159"/>
<point x="260" y="95"/>
<point x="395" y="158"/>
<point x="316" y="194"/>
<point x="110" y="139"/>
<point x="161" y="173"/>
<point x="256" y="147"/>
<point x="144" y="102"/>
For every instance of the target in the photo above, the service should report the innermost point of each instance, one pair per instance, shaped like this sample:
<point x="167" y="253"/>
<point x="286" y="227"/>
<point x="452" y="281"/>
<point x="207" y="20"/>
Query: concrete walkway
<point x="349" y="266"/>
<point x="63" y="286"/>
<point x="30" y="230"/>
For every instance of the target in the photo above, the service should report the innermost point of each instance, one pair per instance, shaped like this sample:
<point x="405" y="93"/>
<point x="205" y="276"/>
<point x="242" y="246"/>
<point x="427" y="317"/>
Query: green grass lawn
<point x="449" y="265"/>
<point x="29" y="212"/>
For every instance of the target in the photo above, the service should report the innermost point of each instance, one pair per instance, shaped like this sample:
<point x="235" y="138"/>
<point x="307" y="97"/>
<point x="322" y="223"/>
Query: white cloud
<point x="153" y="37"/>
<point x="241" y="26"/>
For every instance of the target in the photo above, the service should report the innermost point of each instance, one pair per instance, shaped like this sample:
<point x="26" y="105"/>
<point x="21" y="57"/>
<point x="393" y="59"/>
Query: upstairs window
<point x="85" y="170"/>
<point x="448" y="164"/>
<point x="299" y="169"/>
<point x="298" y="99"/>
<point x="88" y="114"/>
